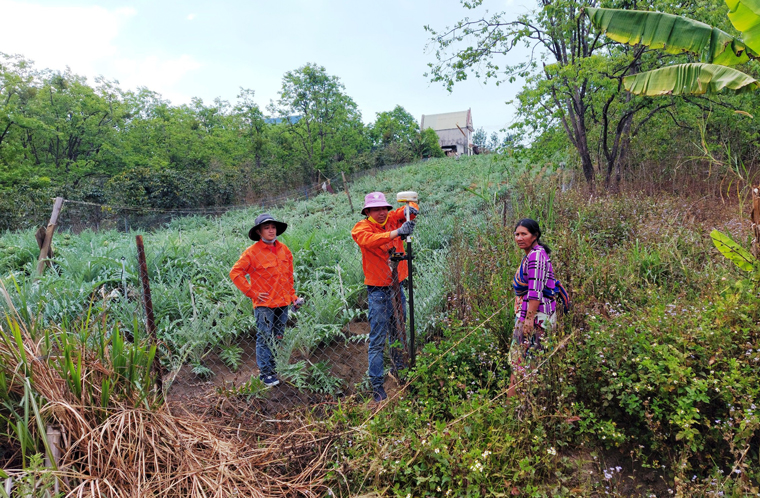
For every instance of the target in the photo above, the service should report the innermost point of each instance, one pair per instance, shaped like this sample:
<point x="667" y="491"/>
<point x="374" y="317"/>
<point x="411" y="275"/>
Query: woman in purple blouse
<point x="535" y="292"/>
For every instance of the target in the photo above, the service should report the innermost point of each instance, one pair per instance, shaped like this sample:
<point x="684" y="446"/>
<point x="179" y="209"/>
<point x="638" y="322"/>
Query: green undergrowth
<point x="649" y="388"/>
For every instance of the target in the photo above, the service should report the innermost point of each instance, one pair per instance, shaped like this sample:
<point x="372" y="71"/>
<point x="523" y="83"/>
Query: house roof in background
<point x="448" y="120"/>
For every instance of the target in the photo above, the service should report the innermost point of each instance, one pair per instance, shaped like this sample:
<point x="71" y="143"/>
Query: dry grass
<point x="137" y="447"/>
<point x="137" y="452"/>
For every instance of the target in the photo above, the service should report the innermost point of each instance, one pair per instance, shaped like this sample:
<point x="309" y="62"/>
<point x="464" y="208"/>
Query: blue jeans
<point x="381" y="325"/>
<point x="270" y="326"/>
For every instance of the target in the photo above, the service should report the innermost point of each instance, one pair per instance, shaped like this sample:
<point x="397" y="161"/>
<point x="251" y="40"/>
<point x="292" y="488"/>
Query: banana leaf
<point x="689" y="79"/>
<point x="673" y="34"/>
<point x="745" y="16"/>
<point x="733" y="251"/>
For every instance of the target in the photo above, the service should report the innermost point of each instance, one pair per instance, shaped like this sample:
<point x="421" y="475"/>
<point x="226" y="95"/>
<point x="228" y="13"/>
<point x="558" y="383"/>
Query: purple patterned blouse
<point x="537" y="269"/>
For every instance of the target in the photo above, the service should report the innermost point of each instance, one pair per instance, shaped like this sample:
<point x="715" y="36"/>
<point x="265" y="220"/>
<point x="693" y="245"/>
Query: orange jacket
<point x="270" y="269"/>
<point x="375" y="243"/>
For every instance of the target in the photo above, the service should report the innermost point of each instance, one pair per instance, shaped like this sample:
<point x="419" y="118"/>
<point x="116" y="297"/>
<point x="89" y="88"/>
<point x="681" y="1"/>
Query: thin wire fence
<point x="82" y="215"/>
<point x="212" y="340"/>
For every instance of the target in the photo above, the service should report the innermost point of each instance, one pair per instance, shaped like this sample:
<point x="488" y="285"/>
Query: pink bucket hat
<point x="375" y="199"/>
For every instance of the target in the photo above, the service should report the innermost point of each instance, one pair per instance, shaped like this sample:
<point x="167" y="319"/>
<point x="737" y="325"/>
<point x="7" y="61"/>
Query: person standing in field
<point x="269" y="265"/>
<point x="378" y="236"/>
<point x="536" y="292"/>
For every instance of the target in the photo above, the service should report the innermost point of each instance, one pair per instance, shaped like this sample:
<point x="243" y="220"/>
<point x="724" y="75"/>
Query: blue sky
<point x="187" y="48"/>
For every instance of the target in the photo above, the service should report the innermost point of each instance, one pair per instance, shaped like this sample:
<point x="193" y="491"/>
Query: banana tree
<point x="673" y="34"/>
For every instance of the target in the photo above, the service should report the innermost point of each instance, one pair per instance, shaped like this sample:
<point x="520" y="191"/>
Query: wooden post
<point x="756" y="220"/>
<point x="150" y="320"/>
<point x="53" y="436"/>
<point x="45" y="249"/>
<point x="345" y="187"/>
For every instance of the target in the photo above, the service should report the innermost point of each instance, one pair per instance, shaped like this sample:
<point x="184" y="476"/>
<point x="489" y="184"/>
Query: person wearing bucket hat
<point x="269" y="265"/>
<point x="379" y="235"/>
<point x="254" y="234"/>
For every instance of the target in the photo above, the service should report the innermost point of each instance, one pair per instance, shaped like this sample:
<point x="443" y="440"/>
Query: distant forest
<point x="61" y="136"/>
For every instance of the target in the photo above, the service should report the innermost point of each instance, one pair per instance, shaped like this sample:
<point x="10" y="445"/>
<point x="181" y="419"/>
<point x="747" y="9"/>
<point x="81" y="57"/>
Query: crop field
<point x="205" y="324"/>
<point x="649" y="387"/>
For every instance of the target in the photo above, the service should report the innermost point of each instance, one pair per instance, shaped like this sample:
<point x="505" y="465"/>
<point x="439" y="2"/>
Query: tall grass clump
<point x="72" y="375"/>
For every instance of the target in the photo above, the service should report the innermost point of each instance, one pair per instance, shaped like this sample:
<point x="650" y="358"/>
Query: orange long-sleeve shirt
<point x="375" y="243"/>
<point x="270" y="269"/>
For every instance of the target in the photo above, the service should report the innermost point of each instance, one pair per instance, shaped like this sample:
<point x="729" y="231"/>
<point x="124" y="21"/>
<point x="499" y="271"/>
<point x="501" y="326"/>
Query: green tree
<point x="573" y="80"/>
<point x="493" y="142"/>
<point x="480" y="138"/>
<point x="510" y="140"/>
<point x="253" y="126"/>
<point x="18" y="86"/>
<point x="79" y="123"/>
<point x="703" y="56"/>
<point x="324" y="123"/>
<point x="426" y="144"/>
<point x="394" y="126"/>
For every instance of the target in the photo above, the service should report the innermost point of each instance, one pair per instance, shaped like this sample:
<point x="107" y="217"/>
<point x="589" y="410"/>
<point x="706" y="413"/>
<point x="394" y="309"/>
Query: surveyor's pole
<point x="412" y="346"/>
<point x="408" y="197"/>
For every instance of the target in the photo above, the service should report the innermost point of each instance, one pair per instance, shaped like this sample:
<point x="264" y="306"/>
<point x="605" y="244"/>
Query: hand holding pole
<point x="408" y="197"/>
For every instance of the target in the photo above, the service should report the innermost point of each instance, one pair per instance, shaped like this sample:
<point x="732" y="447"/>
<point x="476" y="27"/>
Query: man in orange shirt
<point x="269" y="265"/>
<point x="379" y="235"/>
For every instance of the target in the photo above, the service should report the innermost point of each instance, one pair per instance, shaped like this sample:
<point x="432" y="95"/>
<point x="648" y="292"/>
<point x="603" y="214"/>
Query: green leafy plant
<point x="322" y="381"/>
<point x="36" y="481"/>
<point x="677" y="34"/>
<point x="295" y="373"/>
<point x="735" y="253"/>
<point x="200" y="369"/>
<point x="231" y="355"/>
<point x="253" y="388"/>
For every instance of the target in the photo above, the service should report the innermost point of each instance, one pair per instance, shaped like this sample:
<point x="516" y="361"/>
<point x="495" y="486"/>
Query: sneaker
<point x="269" y="380"/>
<point x="378" y="394"/>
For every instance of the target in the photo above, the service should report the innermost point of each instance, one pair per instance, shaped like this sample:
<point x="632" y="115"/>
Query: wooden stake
<point x="345" y="187"/>
<point x="150" y="320"/>
<point x="43" y="259"/>
<point x="53" y="436"/>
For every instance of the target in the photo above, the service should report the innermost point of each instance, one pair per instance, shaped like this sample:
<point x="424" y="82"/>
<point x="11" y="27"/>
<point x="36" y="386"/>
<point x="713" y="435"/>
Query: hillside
<point x="649" y="385"/>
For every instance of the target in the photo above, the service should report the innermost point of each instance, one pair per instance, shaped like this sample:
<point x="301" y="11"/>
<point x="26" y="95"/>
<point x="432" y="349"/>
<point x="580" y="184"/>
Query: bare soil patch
<point x="208" y="397"/>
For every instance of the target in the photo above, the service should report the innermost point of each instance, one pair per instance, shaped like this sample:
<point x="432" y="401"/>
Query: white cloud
<point x="155" y="73"/>
<point x="85" y="39"/>
<point x="56" y="37"/>
<point x="190" y="17"/>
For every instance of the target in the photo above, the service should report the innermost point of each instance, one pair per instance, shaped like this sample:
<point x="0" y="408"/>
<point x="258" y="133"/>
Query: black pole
<point x="412" y="347"/>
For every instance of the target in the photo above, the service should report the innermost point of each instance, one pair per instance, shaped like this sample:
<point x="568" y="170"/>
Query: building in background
<point x="454" y="130"/>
